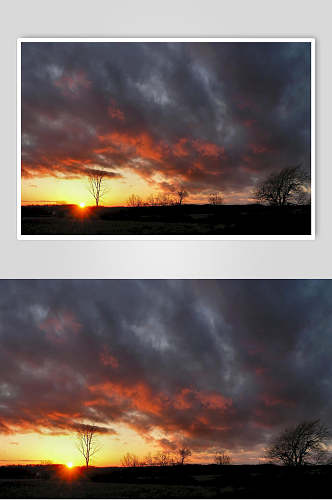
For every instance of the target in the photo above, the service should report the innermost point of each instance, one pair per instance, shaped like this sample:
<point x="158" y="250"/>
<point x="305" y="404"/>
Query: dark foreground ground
<point x="176" y="220"/>
<point x="188" y="481"/>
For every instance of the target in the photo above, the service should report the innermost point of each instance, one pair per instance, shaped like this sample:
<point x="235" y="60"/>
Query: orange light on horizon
<point x="82" y="204"/>
<point x="69" y="465"/>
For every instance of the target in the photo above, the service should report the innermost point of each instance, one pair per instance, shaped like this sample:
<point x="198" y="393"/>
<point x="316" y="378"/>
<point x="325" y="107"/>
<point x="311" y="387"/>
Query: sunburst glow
<point x="69" y="465"/>
<point x="82" y="204"/>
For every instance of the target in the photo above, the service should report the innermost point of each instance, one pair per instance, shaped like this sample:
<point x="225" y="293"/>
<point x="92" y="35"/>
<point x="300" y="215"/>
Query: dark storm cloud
<point x="207" y="115"/>
<point x="213" y="363"/>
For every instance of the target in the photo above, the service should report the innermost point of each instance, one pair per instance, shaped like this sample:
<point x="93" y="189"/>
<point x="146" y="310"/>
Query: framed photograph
<point x="166" y="138"/>
<point x="166" y="388"/>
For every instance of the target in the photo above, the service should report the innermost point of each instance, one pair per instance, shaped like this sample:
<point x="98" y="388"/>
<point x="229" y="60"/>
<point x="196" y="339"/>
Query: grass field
<point x="183" y="220"/>
<point x="188" y="481"/>
<point x="56" y="226"/>
<point x="36" y="488"/>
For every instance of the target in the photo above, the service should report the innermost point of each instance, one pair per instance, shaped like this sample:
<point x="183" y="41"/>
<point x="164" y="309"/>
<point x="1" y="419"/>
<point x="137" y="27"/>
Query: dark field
<point x="188" y="481"/>
<point x="173" y="220"/>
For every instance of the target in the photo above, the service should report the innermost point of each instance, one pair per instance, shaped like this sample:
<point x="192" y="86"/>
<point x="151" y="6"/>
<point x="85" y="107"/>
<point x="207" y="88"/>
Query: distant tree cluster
<point x="135" y="201"/>
<point x="167" y="458"/>
<point x="221" y="458"/>
<point x="160" y="459"/>
<point x="154" y="200"/>
<point x="216" y="199"/>
<point x="158" y="200"/>
<point x="161" y="199"/>
<point x="170" y="199"/>
<point x="130" y="460"/>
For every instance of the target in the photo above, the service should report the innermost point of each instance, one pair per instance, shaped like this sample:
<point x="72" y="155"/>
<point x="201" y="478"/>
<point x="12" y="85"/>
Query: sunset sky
<point x="211" y="364"/>
<point x="156" y="116"/>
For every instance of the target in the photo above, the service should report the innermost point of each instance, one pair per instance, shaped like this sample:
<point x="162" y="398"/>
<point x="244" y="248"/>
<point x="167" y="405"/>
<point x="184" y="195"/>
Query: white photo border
<point x="310" y="40"/>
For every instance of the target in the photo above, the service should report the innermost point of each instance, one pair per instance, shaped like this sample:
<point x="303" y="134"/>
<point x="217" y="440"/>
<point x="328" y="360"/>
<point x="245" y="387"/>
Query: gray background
<point x="165" y="259"/>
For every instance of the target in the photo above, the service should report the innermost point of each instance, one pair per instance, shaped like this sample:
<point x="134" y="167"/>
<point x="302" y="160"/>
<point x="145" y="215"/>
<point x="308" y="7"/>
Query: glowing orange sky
<point x="49" y="190"/>
<point x="36" y="448"/>
<point x="62" y="448"/>
<point x="46" y="190"/>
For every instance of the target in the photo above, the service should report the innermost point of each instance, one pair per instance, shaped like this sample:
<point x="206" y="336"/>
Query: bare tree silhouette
<point x="163" y="458"/>
<point x="303" y="444"/>
<point x="281" y="188"/>
<point x="183" y="453"/>
<point x="86" y="441"/>
<point x="182" y="194"/>
<point x="96" y="186"/>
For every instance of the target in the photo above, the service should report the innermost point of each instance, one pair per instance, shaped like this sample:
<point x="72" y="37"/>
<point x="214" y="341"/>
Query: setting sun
<point x="69" y="465"/>
<point x="82" y="204"/>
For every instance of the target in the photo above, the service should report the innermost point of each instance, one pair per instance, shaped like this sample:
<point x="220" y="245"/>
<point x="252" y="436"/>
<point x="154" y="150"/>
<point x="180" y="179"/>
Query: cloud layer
<point x="212" y="363"/>
<point x="210" y="116"/>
